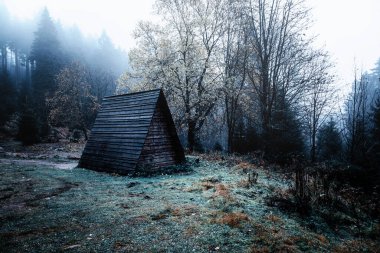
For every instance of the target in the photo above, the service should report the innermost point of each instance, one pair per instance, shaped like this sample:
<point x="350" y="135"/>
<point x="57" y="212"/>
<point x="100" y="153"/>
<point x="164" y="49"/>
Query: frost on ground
<point x="209" y="207"/>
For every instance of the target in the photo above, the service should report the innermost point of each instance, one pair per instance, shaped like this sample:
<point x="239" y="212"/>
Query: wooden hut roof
<point x="120" y="131"/>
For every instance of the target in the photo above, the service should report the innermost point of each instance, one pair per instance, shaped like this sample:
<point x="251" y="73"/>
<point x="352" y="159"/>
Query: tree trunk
<point x="84" y="130"/>
<point x="230" y="141"/>
<point x="313" y="147"/>
<point x="229" y="125"/>
<point x="4" y="59"/>
<point x="17" y="67"/>
<point x="27" y="73"/>
<point x="191" y="135"/>
<point x="314" y="131"/>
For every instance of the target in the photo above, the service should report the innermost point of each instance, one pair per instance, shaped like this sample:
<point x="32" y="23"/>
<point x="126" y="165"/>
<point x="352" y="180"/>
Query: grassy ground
<point x="208" y="208"/>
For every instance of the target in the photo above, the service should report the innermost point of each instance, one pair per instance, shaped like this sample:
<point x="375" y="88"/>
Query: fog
<point x="86" y="50"/>
<point x="348" y="29"/>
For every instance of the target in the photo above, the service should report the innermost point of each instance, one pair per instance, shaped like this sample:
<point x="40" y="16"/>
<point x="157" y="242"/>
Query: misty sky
<point x="350" y="29"/>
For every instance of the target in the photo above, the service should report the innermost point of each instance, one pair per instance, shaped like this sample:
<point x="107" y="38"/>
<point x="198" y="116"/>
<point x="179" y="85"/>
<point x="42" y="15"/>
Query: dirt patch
<point x="35" y="162"/>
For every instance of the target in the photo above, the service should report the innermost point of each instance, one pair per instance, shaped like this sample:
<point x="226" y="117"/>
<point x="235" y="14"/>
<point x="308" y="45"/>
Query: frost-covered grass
<point x="207" y="208"/>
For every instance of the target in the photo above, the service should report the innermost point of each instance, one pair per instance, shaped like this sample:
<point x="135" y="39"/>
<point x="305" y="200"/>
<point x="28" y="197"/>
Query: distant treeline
<point x="52" y="76"/>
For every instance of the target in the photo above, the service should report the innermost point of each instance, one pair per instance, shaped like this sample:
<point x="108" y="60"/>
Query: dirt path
<point x="36" y="162"/>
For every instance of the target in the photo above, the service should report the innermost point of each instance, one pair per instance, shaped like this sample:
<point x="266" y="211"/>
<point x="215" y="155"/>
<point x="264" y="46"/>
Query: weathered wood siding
<point x="162" y="146"/>
<point x="120" y="134"/>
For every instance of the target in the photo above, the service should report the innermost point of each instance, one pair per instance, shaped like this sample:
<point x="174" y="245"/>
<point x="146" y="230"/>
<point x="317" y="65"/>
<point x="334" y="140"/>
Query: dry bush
<point x="247" y="169"/>
<point x="185" y="210"/>
<point x="233" y="219"/>
<point x="259" y="249"/>
<point x="190" y="231"/>
<point x="192" y="189"/>
<point x="159" y="216"/>
<point x="226" y="159"/>
<point x="276" y="239"/>
<point x="163" y="214"/>
<point x="212" y="156"/>
<point x="252" y="177"/>
<point x="322" y="239"/>
<point x="221" y="190"/>
<point x="244" y="166"/>
<point x="244" y="183"/>
<point x="274" y="218"/>
<point x="357" y="245"/>
<point x="207" y="185"/>
<point x="176" y="212"/>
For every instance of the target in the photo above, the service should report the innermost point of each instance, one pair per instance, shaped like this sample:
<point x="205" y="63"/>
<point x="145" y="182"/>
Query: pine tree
<point x="376" y="121"/>
<point x="28" y="127"/>
<point x="48" y="60"/>
<point x="329" y="142"/>
<point x="374" y="151"/>
<point x="7" y="98"/>
<point x="284" y="137"/>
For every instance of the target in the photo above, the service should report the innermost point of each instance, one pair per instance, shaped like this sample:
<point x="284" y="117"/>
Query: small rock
<point x="132" y="184"/>
<point x="212" y="179"/>
<point x="72" y="246"/>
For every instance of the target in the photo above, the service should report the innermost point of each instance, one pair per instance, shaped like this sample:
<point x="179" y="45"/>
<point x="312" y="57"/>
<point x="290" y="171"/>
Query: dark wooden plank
<point x="113" y="145"/>
<point x="129" y="107"/>
<point x="140" y="117"/>
<point x="118" y="142"/>
<point x="120" y="135"/>
<point x="133" y="95"/>
<point x="110" y="158"/>
<point x="117" y="156"/>
<point x="118" y="139"/>
<point x="130" y="101"/>
<point x="120" y="131"/>
<point x="142" y="112"/>
<point x="107" y="165"/>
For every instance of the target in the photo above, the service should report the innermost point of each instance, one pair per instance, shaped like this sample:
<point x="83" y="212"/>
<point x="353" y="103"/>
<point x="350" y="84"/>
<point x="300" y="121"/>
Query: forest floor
<point x="49" y="205"/>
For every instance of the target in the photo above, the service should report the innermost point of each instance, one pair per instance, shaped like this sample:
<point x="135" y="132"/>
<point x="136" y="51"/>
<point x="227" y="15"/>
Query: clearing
<point x="49" y="205"/>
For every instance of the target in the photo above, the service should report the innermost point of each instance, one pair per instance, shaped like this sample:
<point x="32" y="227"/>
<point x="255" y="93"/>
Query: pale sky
<point x="349" y="29"/>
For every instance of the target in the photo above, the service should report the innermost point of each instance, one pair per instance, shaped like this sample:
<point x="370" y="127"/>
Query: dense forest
<point x="275" y="158"/>
<point x="53" y="76"/>
<point x="244" y="76"/>
<point x="240" y="76"/>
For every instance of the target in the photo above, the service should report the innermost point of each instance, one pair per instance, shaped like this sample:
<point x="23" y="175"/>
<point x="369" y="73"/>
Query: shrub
<point x="218" y="147"/>
<point x="28" y="128"/>
<point x="233" y="219"/>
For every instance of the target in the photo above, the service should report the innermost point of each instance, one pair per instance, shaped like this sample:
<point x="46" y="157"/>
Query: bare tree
<point x="317" y="104"/>
<point x="282" y="60"/>
<point x="205" y="47"/>
<point x="181" y="57"/>
<point x="356" y="120"/>
<point x="234" y="52"/>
